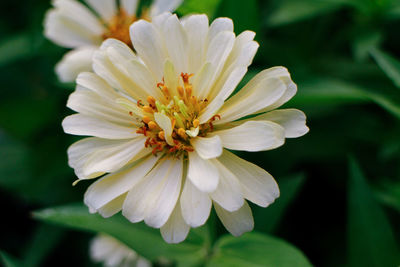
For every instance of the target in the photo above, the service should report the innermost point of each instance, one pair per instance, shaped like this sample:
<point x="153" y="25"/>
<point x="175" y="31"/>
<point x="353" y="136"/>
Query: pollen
<point x="183" y="109"/>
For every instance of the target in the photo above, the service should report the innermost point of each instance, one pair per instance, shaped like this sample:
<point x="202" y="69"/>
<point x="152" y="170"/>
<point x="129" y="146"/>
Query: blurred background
<point x="340" y="186"/>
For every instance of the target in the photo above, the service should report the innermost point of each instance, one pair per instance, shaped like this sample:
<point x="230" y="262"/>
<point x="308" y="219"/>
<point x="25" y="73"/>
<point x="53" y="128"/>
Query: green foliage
<point x="371" y="239"/>
<point x="8" y="260"/>
<point x="388" y="64"/>
<point x="256" y="250"/>
<point x="208" y="7"/>
<point x="144" y="240"/>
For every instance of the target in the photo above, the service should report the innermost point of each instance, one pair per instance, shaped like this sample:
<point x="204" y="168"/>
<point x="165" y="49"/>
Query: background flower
<point x="161" y="137"/>
<point x="71" y="24"/>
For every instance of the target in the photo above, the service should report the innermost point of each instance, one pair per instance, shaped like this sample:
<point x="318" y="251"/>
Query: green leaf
<point x="44" y="240"/>
<point x="389" y="65"/>
<point x="389" y="194"/>
<point x="268" y="219"/>
<point x="290" y="11"/>
<point x="255" y="250"/>
<point x="245" y="18"/>
<point x="144" y="240"/>
<point x="8" y="260"/>
<point x="365" y="42"/>
<point x="208" y="7"/>
<point x="370" y="237"/>
<point x="15" y="48"/>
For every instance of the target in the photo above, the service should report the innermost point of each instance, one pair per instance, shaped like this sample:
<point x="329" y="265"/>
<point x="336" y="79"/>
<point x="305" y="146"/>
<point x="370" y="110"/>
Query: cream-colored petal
<point x="211" y="110"/>
<point x="165" y="123"/>
<point x="251" y="99"/>
<point x="107" y="9"/>
<point x="112" y="207"/>
<point x="195" y="204"/>
<point x="196" y="27"/>
<point x="258" y="186"/>
<point x="75" y="62"/>
<point x="149" y="46"/>
<point x="175" y="229"/>
<point x="113" y="185"/>
<point x="207" y="147"/>
<point x="253" y="136"/>
<point x="92" y="104"/>
<point x="237" y="222"/>
<point x="229" y="192"/>
<point x="160" y="6"/>
<point x="217" y="53"/>
<point x="79" y="124"/>
<point x="202" y="173"/>
<point x="94" y="156"/>
<point x="176" y="42"/>
<point x="292" y="120"/>
<point x="202" y="79"/>
<point x="219" y="25"/>
<point x="154" y="198"/>
<point x="130" y="6"/>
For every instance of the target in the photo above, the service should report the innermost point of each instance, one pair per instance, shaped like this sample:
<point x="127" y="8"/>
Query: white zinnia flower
<point x="71" y="24"/>
<point x="113" y="253"/>
<point x="160" y="124"/>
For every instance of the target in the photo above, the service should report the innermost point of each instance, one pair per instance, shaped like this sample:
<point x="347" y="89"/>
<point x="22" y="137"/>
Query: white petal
<point x="227" y="84"/>
<point x="258" y="186"/>
<point x="207" y="147"/>
<point x="154" y="198"/>
<point x="175" y="230"/>
<point x="196" y="205"/>
<point x="219" y="25"/>
<point x="107" y="9"/>
<point x="196" y="27"/>
<point x="114" y="157"/>
<point x="79" y="124"/>
<point x="171" y="77"/>
<point x="113" y="185"/>
<point x="165" y="123"/>
<point x="218" y="51"/>
<point x="292" y="120"/>
<point x="160" y="6"/>
<point x="89" y="103"/>
<point x="75" y="62"/>
<point x="253" y="136"/>
<point x="71" y="24"/>
<point x="176" y="42"/>
<point x="251" y="99"/>
<point x="203" y="78"/>
<point x="228" y="193"/>
<point x="149" y="46"/>
<point x="211" y="110"/>
<point x="202" y="173"/>
<point x="130" y="6"/>
<point x="237" y="222"/>
<point x="112" y="207"/>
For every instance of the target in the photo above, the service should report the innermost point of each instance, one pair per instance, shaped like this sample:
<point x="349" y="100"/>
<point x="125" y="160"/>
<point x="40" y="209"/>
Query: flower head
<point x="71" y="24"/>
<point x="163" y="119"/>
<point x="113" y="253"/>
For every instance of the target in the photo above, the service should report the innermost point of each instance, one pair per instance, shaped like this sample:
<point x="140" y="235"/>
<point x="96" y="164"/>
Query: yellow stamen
<point x="182" y="133"/>
<point x="151" y="100"/>
<point x="161" y="135"/>
<point x="152" y="125"/>
<point x="147" y="109"/>
<point x="196" y="123"/>
<point x="180" y="91"/>
<point x="146" y="119"/>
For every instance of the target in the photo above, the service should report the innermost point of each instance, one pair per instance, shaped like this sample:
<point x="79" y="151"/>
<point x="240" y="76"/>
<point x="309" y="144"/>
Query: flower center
<point x="118" y="27"/>
<point x="183" y="110"/>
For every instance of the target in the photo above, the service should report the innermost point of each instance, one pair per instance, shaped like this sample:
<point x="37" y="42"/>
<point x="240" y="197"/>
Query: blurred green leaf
<point x="255" y="250"/>
<point x="389" y="194"/>
<point x="144" y="240"/>
<point x="389" y="65"/>
<point x="208" y="7"/>
<point x="8" y="260"/>
<point x="370" y="237"/>
<point x="290" y="11"/>
<point x="245" y="16"/>
<point x="364" y="43"/>
<point x="268" y="219"/>
<point x="14" y="48"/>
<point x="44" y="240"/>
